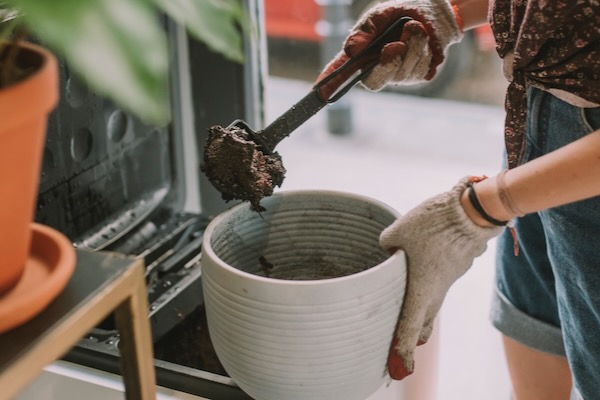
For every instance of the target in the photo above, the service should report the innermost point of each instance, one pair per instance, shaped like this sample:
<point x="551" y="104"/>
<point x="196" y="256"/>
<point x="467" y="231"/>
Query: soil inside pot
<point x="314" y="269"/>
<point x="238" y="169"/>
<point x="16" y="64"/>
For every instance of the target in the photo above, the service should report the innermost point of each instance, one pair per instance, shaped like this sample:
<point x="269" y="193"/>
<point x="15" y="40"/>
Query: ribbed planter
<point x="24" y="109"/>
<point x="301" y="301"/>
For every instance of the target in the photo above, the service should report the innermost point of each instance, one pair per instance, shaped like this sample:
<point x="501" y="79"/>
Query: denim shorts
<point x="548" y="297"/>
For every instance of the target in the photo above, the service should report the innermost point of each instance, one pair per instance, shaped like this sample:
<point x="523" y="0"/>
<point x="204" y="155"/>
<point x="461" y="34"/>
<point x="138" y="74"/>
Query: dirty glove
<point x="440" y="242"/>
<point x="414" y="57"/>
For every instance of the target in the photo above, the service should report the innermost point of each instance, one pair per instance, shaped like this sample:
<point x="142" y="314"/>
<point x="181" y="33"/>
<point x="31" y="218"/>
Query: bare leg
<point x="536" y="375"/>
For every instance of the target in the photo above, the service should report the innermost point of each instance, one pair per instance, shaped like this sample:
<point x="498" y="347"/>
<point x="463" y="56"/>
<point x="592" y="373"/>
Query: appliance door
<point x="111" y="183"/>
<point x="68" y="381"/>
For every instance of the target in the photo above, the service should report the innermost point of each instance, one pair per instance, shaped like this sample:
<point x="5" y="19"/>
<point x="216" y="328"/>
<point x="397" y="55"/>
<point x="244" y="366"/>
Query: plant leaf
<point x="117" y="46"/>
<point x="216" y="23"/>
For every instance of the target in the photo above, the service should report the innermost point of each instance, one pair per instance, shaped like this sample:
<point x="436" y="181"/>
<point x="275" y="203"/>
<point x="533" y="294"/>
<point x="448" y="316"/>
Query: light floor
<point x="402" y="150"/>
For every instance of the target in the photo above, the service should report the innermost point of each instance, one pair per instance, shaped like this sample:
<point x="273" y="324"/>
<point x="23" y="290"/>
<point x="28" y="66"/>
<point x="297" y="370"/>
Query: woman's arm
<point x="566" y="175"/>
<point x="472" y="12"/>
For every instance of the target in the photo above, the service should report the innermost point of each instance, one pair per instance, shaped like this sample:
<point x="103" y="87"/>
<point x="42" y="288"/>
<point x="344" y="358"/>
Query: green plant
<point x="119" y="46"/>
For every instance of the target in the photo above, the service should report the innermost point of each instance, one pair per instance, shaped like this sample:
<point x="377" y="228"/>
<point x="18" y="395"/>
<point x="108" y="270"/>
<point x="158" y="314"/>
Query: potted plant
<point x="118" y="47"/>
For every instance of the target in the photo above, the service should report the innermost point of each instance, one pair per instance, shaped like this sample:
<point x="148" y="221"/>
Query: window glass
<point x="401" y="146"/>
<point x="303" y="35"/>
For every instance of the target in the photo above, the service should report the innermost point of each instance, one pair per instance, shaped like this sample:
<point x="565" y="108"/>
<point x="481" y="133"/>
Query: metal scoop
<point x="241" y="163"/>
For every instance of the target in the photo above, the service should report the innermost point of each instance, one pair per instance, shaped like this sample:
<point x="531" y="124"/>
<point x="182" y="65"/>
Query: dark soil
<point x="16" y="64"/>
<point x="237" y="167"/>
<point x="312" y="269"/>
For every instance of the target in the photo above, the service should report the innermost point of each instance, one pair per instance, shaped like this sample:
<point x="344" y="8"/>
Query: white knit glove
<point x="440" y="242"/>
<point x="414" y="57"/>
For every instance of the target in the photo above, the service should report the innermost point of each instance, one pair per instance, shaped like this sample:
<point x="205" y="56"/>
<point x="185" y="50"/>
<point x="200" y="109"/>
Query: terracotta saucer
<point x="50" y="265"/>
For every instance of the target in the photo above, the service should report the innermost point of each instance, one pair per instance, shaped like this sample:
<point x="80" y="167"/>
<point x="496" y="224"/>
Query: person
<point x="543" y="206"/>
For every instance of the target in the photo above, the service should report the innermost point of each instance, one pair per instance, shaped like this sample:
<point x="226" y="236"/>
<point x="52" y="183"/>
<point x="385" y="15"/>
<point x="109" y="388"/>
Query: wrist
<point x="483" y="204"/>
<point x="471" y="213"/>
<point x="471" y="13"/>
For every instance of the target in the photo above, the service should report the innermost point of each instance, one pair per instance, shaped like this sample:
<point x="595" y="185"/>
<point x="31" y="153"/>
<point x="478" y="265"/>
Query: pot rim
<point x="396" y="258"/>
<point x="43" y="84"/>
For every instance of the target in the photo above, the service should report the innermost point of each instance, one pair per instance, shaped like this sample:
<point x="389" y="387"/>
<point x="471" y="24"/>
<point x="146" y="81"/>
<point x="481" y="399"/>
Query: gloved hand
<point x="415" y="56"/>
<point x="440" y="242"/>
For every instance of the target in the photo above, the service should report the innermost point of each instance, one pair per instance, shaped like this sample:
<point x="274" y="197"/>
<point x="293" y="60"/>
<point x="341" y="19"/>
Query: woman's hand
<point x="440" y="242"/>
<point x="416" y="54"/>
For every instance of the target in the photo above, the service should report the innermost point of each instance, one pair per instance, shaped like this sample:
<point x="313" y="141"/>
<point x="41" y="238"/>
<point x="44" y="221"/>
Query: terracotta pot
<point x="24" y="109"/>
<point x="301" y="300"/>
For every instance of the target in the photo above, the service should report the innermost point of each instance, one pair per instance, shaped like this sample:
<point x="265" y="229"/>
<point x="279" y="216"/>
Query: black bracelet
<point x="479" y="208"/>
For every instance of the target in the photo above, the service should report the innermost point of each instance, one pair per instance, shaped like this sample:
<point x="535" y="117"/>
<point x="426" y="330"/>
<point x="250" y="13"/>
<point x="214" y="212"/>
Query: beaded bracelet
<point x="459" y="20"/>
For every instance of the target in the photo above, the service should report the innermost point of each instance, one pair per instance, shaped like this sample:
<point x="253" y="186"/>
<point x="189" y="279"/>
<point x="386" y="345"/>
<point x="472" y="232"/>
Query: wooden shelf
<point x="101" y="284"/>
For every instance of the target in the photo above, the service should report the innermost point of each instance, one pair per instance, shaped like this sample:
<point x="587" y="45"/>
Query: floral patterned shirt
<point x="550" y="44"/>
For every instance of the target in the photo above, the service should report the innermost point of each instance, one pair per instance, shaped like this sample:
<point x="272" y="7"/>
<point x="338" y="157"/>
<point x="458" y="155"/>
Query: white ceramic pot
<point x="320" y="325"/>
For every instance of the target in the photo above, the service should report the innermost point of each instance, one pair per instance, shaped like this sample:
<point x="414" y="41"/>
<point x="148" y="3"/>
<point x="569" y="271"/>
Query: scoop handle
<point x="329" y="89"/>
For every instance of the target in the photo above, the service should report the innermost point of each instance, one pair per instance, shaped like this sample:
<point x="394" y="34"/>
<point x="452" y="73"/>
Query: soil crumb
<point x="237" y="168"/>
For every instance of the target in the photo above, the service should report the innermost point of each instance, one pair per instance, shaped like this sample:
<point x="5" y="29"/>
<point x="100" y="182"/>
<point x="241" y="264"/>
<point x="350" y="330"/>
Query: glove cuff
<point x="439" y="14"/>
<point x="444" y="215"/>
<point x="461" y="220"/>
<point x="445" y="22"/>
